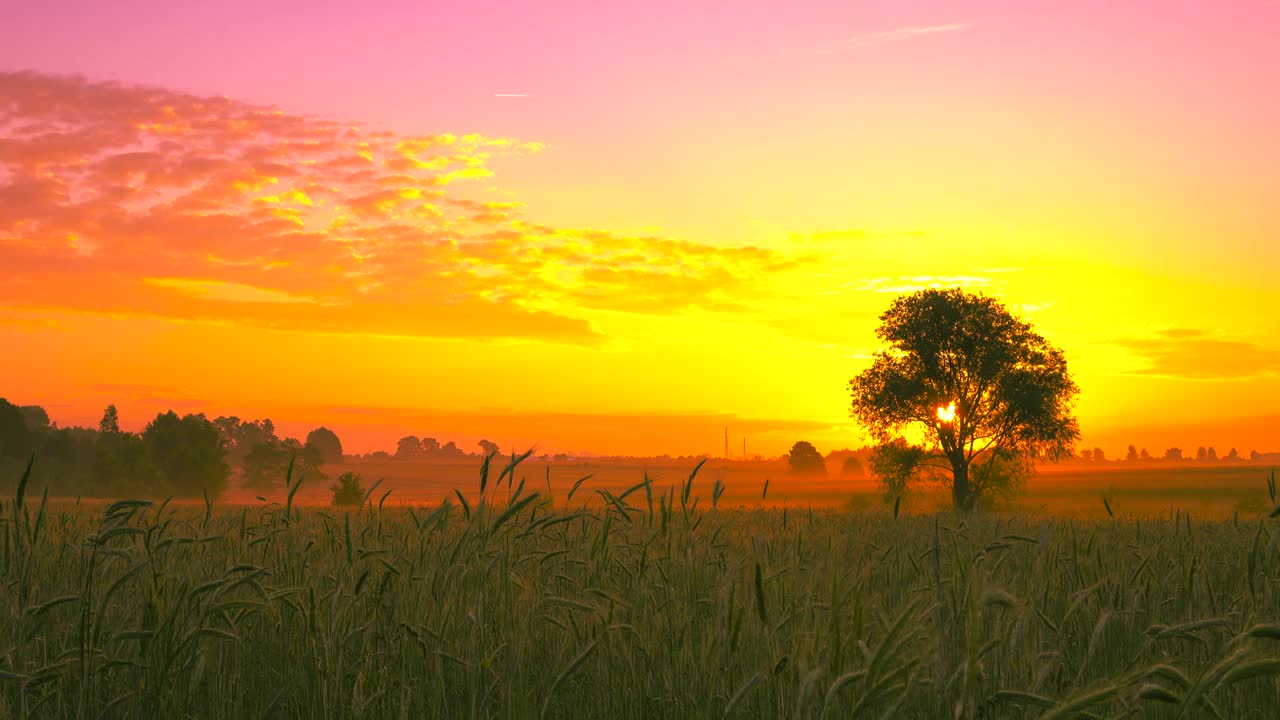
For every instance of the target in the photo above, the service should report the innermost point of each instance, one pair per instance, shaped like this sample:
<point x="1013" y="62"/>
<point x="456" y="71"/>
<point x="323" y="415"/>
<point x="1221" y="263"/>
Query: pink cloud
<point x="145" y="201"/>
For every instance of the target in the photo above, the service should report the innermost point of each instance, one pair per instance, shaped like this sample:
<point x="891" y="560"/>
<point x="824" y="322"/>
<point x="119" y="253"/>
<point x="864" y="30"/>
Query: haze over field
<point x="621" y="229"/>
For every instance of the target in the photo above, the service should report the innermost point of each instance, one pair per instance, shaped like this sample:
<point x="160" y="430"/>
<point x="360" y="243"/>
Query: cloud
<point x="129" y="388"/>
<point x="913" y="283"/>
<point x="232" y="292"/>
<point x="1194" y="354"/>
<point x="138" y="200"/>
<point x="890" y="36"/>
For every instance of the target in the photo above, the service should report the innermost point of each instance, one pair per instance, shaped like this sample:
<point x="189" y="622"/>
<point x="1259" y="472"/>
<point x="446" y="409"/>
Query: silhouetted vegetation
<point x="896" y="463"/>
<point x="178" y="455"/>
<point x="508" y="603"/>
<point x="325" y="443"/>
<point x="348" y="491"/>
<point x="804" y="459"/>
<point x="986" y="392"/>
<point x="413" y="448"/>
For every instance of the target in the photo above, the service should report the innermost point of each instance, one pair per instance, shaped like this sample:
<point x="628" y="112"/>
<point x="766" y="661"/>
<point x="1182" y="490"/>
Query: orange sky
<point x="692" y="227"/>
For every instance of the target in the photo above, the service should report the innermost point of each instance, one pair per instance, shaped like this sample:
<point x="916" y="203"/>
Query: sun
<point x="947" y="414"/>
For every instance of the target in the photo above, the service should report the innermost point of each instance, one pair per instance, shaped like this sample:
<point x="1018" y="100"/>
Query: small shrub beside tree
<point x="348" y="491"/>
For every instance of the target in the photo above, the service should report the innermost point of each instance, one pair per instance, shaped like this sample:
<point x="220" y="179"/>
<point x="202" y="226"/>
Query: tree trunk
<point x="961" y="492"/>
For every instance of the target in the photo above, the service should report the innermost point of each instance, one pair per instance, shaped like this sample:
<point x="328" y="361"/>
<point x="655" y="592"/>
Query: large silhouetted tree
<point x="984" y="391"/>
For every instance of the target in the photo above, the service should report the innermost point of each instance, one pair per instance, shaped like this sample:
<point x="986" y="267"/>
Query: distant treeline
<point x="173" y="455"/>
<point x="1175" y="454"/>
<point x="188" y="455"/>
<point x="177" y="455"/>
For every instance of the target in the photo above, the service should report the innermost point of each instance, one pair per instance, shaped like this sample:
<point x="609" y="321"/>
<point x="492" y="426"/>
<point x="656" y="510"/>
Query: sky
<point x="624" y="227"/>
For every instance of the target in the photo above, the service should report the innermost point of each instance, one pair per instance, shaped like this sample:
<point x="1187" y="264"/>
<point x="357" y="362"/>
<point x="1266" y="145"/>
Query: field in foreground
<point x="638" y="608"/>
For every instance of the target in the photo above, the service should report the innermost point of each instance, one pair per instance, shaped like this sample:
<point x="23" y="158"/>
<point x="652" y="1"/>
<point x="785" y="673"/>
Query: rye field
<point x="1148" y="490"/>
<point x="654" y="601"/>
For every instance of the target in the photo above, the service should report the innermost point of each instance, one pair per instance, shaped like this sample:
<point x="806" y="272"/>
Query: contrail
<point x="509" y="95"/>
<point x="888" y="36"/>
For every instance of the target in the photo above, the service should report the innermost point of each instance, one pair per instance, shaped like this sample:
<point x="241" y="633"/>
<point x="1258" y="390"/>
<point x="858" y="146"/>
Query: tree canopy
<point x="326" y="443"/>
<point x="347" y="491"/>
<point x="985" y="393"/>
<point x="804" y="458"/>
<point x="189" y="452"/>
<point x="15" y="435"/>
<point x="110" y="422"/>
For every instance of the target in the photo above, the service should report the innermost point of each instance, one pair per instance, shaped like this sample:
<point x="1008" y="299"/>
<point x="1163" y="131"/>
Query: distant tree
<point x="110" y="422"/>
<point x="451" y="452"/>
<point x="1253" y="455"/>
<point x="71" y="456"/>
<point x="488" y="448"/>
<point x="1144" y="455"/>
<point x="1086" y="455"/>
<point x="805" y="459"/>
<point x="1173" y="454"/>
<point x="897" y="464"/>
<point x="123" y="465"/>
<point x="16" y="440"/>
<point x="228" y="427"/>
<point x="36" y="417"/>
<point x="189" y="452"/>
<point x="836" y="459"/>
<point x="983" y="388"/>
<point x="852" y="466"/>
<point x="326" y="444"/>
<point x="1099" y="456"/>
<point x="1213" y="454"/>
<point x="430" y="447"/>
<point x="1131" y="455"/>
<point x="347" y="492"/>
<point x="306" y="458"/>
<point x="1201" y="454"/>
<point x="1233" y="455"/>
<point x="242" y="437"/>
<point x="265" y="465"/>
<point x="408" y="448"/>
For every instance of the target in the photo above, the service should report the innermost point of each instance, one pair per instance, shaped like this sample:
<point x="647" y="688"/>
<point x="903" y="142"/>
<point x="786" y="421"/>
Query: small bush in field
<point x="348" y="490"/>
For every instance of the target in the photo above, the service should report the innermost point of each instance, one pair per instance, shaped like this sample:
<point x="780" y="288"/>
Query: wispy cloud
<point x="909" y="284"/>
<point x="890" y="36"/>
<point x="1193" y="354"/>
